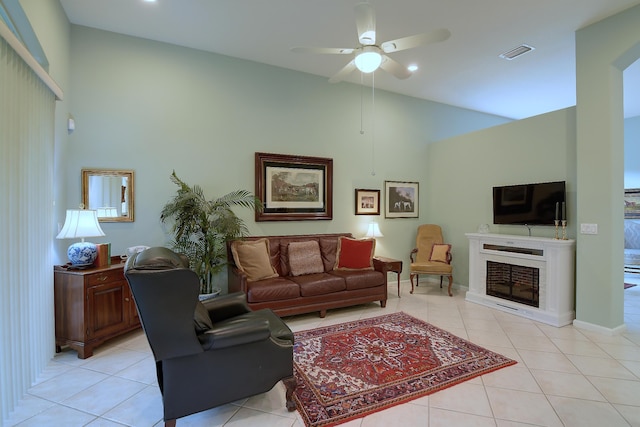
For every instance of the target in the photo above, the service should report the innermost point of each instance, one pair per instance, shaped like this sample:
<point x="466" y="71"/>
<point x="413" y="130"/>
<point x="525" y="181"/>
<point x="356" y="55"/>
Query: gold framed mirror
<point x="110" y="192"/>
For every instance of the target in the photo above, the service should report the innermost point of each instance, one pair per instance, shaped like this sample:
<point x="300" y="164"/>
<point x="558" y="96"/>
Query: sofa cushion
<point x="440" y="252"/>
<point x="328" y="251"/>
<point x="273" y="289"/>
<point x="304" y="258"/>
<point x="355" y="254"/>
<point x="285" y="269"/>
<point x="360" y="279"/>
<point x="252" y="258"/>
<point x="319" y="284"/>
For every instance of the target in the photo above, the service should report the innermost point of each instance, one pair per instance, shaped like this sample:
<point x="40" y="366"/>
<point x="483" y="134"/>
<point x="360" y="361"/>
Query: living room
<point x="154" y="108"/>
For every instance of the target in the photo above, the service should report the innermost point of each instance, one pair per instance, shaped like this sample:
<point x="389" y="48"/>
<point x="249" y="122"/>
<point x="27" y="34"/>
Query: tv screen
<point x="530" y="204"/>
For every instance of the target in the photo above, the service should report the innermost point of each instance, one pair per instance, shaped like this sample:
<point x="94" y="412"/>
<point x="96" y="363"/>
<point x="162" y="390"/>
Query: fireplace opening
<point x="513" y="282"/>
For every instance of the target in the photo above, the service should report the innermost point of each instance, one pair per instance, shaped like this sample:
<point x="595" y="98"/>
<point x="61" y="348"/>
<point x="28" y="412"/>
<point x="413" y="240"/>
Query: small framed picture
<point x="367" y="202"/>
<point x="401" y="199"/>
<point x="632" y="203"/>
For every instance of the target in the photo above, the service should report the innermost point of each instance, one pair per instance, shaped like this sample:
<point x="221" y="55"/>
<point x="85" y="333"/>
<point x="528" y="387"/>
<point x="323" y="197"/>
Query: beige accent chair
<point x="427" y="259"/>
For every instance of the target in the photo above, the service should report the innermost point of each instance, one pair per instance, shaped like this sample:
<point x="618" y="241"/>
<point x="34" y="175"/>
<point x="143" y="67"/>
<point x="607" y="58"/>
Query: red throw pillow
<point x="355" y="254"/>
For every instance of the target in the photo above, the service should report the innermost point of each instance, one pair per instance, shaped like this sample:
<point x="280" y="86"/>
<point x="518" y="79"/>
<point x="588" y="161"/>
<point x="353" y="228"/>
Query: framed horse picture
<point x="401" y="199"/>
<point x="293" y="188"/>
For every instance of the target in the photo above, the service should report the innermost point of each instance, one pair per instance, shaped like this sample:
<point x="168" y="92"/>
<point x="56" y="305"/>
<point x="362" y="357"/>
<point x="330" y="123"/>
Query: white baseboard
<point x="618" y="330"/>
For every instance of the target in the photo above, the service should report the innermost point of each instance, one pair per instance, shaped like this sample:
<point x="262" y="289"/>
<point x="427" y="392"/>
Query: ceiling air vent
<point x="514" y="53"/>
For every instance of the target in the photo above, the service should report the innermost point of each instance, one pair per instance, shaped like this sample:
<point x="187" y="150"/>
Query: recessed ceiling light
<point x="149" y="1"/>
<point x="412" y="68"/>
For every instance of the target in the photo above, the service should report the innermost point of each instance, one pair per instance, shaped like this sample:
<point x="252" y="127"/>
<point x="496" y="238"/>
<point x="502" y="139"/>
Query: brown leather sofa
<point x="288" y="294"/>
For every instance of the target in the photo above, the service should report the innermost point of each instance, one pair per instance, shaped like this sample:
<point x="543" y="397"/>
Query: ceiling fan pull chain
<point x="361" y="103"/>
<point x="373" y="123"/>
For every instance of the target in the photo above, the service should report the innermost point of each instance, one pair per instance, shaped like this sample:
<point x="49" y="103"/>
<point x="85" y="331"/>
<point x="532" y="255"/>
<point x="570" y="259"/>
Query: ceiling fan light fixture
<point x="368" y="60"/>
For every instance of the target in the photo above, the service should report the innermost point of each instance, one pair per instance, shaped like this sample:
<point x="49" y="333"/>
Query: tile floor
<point x="564" y="376"/>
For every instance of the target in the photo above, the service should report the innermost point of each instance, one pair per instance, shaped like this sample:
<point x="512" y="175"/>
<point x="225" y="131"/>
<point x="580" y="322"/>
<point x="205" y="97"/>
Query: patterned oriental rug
<point x="353" y="369"/>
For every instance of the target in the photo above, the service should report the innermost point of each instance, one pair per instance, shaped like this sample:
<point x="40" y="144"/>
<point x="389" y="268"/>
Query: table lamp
<point x="81" y="223"/>
<point x="374" y="230"/>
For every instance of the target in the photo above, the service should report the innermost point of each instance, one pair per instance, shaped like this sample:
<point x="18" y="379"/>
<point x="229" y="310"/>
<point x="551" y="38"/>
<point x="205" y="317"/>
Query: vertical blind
<point x="27" y="107"/>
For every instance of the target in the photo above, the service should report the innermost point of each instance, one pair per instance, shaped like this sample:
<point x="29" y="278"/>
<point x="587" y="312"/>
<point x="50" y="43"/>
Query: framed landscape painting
<point x="367" y="202"/>
<point x="401" y="199"/>
<point x="293" y="187"/>
<point x="632" y="203"/>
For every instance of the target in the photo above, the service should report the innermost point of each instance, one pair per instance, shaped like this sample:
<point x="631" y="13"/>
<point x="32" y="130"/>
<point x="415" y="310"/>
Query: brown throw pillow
<point x="355" y="254"/>
<point x="440" y="253"/>
<point x="304" y="258"/>
<point x="252" y="258"/>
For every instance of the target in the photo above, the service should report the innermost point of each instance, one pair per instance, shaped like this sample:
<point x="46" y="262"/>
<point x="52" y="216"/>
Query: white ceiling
<point x="464" y="71"/>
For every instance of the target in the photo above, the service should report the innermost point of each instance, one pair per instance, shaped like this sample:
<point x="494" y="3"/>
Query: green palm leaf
<point x="201" y="227"/>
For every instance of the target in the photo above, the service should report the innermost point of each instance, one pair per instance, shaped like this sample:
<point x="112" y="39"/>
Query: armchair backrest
<point x="165" y="291"/>
<point x="428" y="235"/>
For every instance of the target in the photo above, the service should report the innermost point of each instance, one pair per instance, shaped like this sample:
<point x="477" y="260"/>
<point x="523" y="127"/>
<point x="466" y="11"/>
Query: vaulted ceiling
<point x="464" y="71"/>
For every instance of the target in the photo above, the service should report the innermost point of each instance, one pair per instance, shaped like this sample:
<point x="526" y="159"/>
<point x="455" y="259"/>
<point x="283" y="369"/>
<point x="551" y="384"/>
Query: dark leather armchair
<point x="207" y="354"/>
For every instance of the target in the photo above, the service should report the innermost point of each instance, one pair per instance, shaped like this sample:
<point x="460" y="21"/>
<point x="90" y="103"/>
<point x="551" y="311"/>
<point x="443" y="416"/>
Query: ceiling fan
<point x="368" y="55"/>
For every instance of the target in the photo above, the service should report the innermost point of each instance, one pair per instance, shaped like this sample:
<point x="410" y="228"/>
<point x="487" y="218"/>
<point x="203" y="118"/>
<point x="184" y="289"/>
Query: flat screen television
<point x="528" y="204"/>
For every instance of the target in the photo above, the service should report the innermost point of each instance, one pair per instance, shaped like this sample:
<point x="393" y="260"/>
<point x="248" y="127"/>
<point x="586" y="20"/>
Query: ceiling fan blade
<point x="403" y="43"/>
<point x="366" y="23"/>
<point x="323" y="50"/>
<point x="346" y="70"/>
<point x="394" y="67"/>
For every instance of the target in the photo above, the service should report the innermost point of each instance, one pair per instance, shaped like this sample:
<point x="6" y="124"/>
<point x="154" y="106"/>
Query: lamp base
<point x="82" y="254"/>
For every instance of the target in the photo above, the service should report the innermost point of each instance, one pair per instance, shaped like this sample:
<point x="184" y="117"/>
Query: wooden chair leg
<point x="170" y="423"/>
<point x="290" y="384"/>
<point x="450" y="283"/>
<point x="411" y="278"/>
<point x="440" y="282"/>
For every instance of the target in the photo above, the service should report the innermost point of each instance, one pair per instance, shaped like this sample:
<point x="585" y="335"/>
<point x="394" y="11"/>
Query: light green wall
<point x="463" y="170"/>
<point x="603" y="51"/>
<point x="154" y="107"/>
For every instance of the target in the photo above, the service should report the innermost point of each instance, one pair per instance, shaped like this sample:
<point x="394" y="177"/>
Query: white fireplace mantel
<point x="555" y="260"/>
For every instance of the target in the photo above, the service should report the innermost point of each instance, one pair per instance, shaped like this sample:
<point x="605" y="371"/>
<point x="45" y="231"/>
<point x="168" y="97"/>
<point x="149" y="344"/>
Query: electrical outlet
<point x="588" y="228"/>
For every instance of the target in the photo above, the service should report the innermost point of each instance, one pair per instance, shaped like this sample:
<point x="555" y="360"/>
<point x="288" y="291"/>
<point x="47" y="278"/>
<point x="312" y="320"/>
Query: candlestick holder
<point x="557" y="223"/>
<point x="564" y="229"/>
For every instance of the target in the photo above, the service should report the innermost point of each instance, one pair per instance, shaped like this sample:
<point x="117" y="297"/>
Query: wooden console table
<point x="92" y="306"/>
<point x="390" y="264"/>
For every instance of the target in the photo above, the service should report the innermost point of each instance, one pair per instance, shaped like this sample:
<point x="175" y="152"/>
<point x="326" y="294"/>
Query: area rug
<point x="353" y="369"/>
<point x="629" y="285"/>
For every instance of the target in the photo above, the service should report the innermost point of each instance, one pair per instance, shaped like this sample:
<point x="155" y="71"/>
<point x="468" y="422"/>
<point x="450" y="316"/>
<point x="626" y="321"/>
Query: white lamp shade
<point x="368" y="60"/>
<point x="80" y="223"/>
<point x="374" y="230"/>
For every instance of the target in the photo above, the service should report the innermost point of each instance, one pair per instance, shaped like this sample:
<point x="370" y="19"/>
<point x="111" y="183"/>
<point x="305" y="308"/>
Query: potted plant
<point x="201" y="227"/>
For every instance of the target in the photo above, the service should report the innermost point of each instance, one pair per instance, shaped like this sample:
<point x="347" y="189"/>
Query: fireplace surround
<point x="532" y="277"/>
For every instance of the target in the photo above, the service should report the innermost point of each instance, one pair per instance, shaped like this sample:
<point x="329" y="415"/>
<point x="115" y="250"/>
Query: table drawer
<point x="104" y="277"/>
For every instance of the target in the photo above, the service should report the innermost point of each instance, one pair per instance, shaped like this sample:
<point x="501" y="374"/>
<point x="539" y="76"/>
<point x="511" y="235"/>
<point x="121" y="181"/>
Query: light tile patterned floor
<point x="564" y="376"/>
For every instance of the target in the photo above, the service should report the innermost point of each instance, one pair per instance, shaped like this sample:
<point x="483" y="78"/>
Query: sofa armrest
<point x="226" y="306"/>
<point x="236" y="280"/>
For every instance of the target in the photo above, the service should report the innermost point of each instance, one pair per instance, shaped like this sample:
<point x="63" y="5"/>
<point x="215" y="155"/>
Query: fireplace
<point x="516" y="283"/>
<point x="527" y="276"/>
